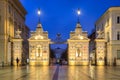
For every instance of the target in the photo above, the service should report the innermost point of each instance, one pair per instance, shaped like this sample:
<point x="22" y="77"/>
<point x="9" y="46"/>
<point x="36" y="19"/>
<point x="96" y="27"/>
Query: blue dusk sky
<point x="60" y="16"/>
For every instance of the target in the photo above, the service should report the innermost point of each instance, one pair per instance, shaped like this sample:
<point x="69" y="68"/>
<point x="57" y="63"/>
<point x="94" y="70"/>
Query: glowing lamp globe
<point x="39" y="12"/>
<point x="78" y="12"/>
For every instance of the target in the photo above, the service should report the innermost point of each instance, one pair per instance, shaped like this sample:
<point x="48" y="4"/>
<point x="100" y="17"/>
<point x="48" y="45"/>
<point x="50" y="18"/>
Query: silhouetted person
<point x="60" y="61"/>
<point x="114" y="62"/>
<point x="17" y="60"/>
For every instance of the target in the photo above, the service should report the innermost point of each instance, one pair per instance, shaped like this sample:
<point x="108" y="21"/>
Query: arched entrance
<point x="58" y="51"/>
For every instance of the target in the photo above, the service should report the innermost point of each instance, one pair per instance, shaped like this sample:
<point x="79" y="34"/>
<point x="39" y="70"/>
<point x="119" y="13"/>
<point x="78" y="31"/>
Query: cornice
<point x="18" y="6"/>
<point x="107" y="11"/>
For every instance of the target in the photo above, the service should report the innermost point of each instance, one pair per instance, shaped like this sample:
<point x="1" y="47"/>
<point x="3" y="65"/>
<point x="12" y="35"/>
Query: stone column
<point x="9" y="53"/>
<point x="17" y="51"/>
<point x="17" y="56"/>
<point x="100" y="51"/>
<point x="71" y="54"/>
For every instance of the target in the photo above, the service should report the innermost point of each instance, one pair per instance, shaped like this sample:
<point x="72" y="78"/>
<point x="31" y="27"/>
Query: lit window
<point x="118" y="54"/>
<point x="118" y="20"/>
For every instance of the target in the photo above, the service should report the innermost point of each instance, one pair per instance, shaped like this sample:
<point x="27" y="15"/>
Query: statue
<point x="100" y="34"/>
<point x="17" y="35"/>
<point x="78" y="53"/>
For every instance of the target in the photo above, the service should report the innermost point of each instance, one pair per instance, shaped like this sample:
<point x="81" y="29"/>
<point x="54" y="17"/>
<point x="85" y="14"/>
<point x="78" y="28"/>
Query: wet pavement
<point x="60" y="73"/>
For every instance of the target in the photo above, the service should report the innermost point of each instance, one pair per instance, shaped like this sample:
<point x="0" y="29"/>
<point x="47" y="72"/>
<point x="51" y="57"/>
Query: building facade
<point x="78" y="47"/>
<point x="39" y="53"/>
<point x="12" y="17"/>
<point x="108" y="29"/>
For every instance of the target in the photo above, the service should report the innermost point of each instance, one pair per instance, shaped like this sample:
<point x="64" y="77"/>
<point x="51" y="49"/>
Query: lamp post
<point x="39" y="12"/>
<point x="78" y="12"/>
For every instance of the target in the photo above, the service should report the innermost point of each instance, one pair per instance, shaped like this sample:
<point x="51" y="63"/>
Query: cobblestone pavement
<point x="60" y="73"/>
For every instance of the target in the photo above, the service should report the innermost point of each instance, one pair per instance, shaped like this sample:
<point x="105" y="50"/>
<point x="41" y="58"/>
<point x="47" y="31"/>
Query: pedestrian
<point x="114" y="64"/>
<point x="17" y="60"/>
<point x="61" y="62"/>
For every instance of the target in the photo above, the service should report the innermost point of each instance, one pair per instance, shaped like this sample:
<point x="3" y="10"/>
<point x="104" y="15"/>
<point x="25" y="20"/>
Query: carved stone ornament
<point x="100" y="35"/>
<point x="17" y="35"/>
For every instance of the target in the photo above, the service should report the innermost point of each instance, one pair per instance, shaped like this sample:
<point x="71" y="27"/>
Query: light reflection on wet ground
<point x="60" y="73"/>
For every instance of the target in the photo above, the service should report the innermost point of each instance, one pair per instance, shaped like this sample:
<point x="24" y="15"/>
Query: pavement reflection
<point x="60" y="73"/>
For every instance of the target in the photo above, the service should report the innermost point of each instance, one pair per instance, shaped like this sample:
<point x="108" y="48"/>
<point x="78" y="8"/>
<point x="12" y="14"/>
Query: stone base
<point x="15" y="63"/>
<point x="82" y="63"/>
<point x="4" y="65"/>
<point x="85" y="63"/>
<point x="39" y="63"/>
<point x="79" y="63"/>
<point x="31" y="63"/>
<point x="45" y="63"/>
<point x="71" y="63"/>
<point x="1" y="65"/>
<point x="100" y="63"/>
<point x="118" y="62"/>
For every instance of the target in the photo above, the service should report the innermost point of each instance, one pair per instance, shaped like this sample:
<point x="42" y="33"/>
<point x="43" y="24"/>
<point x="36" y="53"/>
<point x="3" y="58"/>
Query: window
<point x="19" y="27"/>
<point x="118" y="54"/>
<point x="9" y="9"/>
<point x="118" y="35"/>
<point x="9" y="27"/>
<point x="108" y="37"/>
<point x="108" y="22"/>
<point x="118" y="20"/>
<point x="0" y="20"/>
<point x="22" y="29"/>
<point x="102" y="27"/>
<point x="0" y="24"/>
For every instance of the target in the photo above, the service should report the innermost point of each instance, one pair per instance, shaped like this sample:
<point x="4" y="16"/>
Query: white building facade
<point x="108" y="29"/>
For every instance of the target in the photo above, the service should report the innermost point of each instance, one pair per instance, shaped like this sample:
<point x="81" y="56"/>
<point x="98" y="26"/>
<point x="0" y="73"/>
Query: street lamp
<point x="39" y="12"/>
<point x="78" y="12"/>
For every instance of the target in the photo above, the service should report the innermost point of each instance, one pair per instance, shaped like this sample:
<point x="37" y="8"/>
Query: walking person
<point x="17" y="60"/>
<point x="61" y="62"/>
